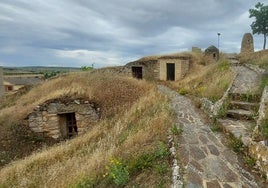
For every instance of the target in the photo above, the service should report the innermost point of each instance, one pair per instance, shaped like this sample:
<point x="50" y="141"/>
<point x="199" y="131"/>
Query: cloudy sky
<point x="114" y="32"/>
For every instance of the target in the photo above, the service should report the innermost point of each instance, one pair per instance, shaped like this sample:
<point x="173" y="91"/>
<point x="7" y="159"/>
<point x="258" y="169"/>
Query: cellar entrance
<point x="68" y="125"/>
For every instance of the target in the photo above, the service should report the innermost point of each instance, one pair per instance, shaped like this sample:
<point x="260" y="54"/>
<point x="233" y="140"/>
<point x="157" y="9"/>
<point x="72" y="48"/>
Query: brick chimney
<point x="1" y="82"/>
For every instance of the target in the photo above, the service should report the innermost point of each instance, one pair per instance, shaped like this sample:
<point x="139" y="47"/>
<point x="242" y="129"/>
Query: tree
<point x="260" y="25"/>
<point x="86" y="68"/>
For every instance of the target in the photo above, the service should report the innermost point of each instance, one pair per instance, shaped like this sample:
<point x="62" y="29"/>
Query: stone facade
<point x="181" y="68"/>
<point x="196" y="50"/>
<point x="50" y="118"/>
<point x="247" y="45"/>
<point x="160" y="68"/>
<point x="212" y="53"/>
<point x="1" y="82"/>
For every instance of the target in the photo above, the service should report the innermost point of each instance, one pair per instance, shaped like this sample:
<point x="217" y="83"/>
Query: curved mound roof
<point x="211" y="49"/>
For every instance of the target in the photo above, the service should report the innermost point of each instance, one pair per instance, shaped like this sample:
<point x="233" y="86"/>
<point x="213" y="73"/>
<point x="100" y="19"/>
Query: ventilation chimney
<point x="247" y="45"/>
<point x="1" y="82"/>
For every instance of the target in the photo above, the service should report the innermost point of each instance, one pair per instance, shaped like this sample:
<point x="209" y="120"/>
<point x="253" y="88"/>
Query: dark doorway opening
<point x="171" y="71"/>
<point x="137" y="72"/>
<point x="68" y="125"/>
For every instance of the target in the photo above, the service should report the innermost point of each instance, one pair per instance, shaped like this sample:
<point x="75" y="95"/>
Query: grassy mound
<point x="128" y="147"/>
<point x="210" y="81"/>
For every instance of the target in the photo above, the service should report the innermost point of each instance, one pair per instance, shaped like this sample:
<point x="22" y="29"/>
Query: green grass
<point x="175" y="130"/>
<point x="119" y="172"/>
<point x="264" y="81"/>
<point x="264" y="129"/>
<point x="236" y="144"/>
<point x="250" y="162"/>
<point x="215" y="127"/>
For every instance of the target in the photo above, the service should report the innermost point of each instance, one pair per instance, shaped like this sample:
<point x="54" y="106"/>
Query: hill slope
<point x="131" y="136"/>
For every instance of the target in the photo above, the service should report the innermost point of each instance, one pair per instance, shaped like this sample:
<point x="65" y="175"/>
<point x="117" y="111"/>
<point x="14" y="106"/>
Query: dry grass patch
<point x="111" y="93"/>
<point x="259" y="58"/>
<point x="137" y="137"/>
<point x="210" y="81"/>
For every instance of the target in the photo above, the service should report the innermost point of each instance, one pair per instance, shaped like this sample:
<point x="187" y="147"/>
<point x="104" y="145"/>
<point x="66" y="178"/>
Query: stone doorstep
<point x="237" y="128"/>
<point x="243" y="105"/>
<point x="241" y="114"/>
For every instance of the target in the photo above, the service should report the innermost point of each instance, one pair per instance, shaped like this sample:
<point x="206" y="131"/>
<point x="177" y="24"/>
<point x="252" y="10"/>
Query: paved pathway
<point x="206" y="161"/>
<point x="247" y="82"/>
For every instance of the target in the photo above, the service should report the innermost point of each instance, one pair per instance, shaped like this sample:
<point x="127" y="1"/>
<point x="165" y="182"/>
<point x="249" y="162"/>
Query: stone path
<point x="247" y="80"/>
<point x="205" y="160"/>
<point x="244" y="103"/>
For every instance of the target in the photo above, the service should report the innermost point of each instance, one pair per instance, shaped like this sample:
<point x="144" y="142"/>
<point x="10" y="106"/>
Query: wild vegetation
<point x="128" y="147"/>
<point x="209" y="81"/>
<point x="259" y="58"/>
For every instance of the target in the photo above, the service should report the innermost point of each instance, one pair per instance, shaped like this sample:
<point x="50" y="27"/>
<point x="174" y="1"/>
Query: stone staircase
<point x="243" y="106"/>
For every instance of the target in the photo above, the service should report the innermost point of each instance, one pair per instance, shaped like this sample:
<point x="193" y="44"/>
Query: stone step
<point x="234" y="105"/>
<point x="241" y="114"/>
<point x="246" y="97"/>
<point x="240" y="129"/>
<point x="234" y="62"/>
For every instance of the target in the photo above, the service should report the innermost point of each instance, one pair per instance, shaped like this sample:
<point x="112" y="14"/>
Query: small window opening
<point x="9" y="88"/>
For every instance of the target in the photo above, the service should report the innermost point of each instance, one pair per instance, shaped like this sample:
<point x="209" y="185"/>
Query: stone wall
<point x="150" y="69"/>
<point x="247" y="44"/>
<point x="181" y="68"/>
<point x="45" y="119"/>
<point x="212" y="54"/>
<point x="1" y="82"/>
<point x="156" y="68"/>
<point x="259" y="150"/>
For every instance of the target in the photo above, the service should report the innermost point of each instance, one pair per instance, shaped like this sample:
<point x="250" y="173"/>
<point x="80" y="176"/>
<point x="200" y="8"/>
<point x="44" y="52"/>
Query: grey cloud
<point x="33" y="31"/>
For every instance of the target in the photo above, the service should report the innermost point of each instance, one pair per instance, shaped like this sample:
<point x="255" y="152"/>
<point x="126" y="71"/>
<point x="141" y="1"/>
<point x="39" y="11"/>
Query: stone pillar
<point x="247" y="45"/>
<point x="1" y="82"/>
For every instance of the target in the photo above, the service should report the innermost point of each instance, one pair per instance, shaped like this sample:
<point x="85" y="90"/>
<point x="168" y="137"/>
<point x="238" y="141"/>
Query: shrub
<point x="250" y="162"/>
<point x="264" y="129"/>
<point x="150" y="160"/>
<point x="264" y="81"/>
<point x="223" y="65"/>
<point x="223" y="109"/>
<point x="236" y="144"/>
<point x="175" y="130"/>
<point x="182" y="91"/>
<point x="215" y="127"/>
<point x="117" y="172"/>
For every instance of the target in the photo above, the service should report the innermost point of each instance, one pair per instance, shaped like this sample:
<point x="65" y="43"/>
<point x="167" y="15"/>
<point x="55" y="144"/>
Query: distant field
<point x="36" y="70"/>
